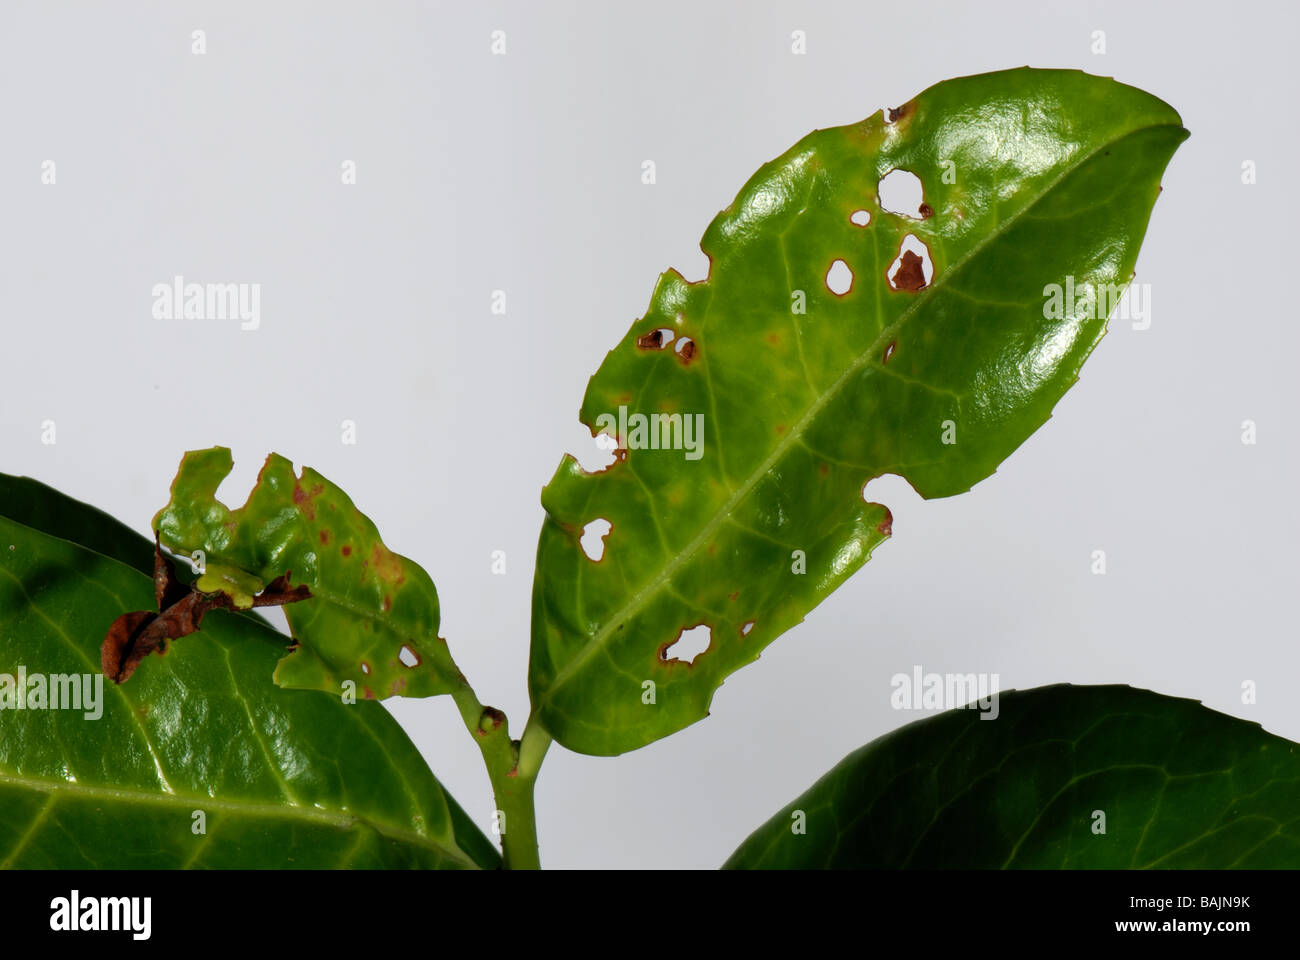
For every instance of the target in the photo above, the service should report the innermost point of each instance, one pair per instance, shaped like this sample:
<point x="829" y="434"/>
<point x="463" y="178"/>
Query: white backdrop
<point x="478" y="172"/>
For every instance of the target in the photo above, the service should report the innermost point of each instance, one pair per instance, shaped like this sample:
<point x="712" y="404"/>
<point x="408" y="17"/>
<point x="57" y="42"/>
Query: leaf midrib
<point x="867" y="357"/>
<point x="246" y="808"/>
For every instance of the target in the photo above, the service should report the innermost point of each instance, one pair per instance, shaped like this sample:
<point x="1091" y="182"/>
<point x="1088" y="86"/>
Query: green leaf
<point x="284" y="778"/>
<point x="373" y="617"/>
<point x="1031" y="178"/>
<point x="1178" y="786"/>
<point x="35" y="505"/>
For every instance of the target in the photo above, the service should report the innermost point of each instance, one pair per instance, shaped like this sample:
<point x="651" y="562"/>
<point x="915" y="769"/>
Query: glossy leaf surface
<point x="801" y="395"/>
<point x="1171" y="783"/>
<point x="284" y="778"/>
<point x="373" y="616"/>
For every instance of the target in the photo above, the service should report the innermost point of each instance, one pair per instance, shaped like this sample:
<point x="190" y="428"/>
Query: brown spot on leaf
<point x="654" y="340"/>
<point x="347" y="550"/>
<point x="324" y="538"/>
<point x="686" y="350"/>
<point x="388" y="565"/>
<point x="889" y="352"/>
<point x="895" y="114"/>
<point x="304" y="500"/>
<point x="910" y="275"/>
<point x="926" y="211"/>
<point x="823" y="469"/>
<point x="388" y="603"/>
<point x="886" y="526"/>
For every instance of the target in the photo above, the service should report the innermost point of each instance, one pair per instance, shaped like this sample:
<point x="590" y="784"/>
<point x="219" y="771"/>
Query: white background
<point x="522" y="172"/>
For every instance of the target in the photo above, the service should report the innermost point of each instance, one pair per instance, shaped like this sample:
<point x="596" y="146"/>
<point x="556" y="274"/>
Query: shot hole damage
<point x="860" y="218"/>
<point x="912" y="269"/>
<point x="408" y="657"/>
<point x="655" y="339"/>
<point x="899" y="192"/>
<point x="686" y="350"/>
<point x="895" y="114"/>
<point x="593" y="539"/>
<point x="839" y="278"/>
<point x="747" y="626"/>
<point x="595" y="452"/>
<point x="689" y="644"/>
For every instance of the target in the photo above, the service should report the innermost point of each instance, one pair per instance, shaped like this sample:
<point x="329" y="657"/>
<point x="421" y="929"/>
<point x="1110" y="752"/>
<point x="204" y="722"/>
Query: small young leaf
<point x="1106" y="777"/>
<point x="822" y="351"/>
<point x="373" y="615"/>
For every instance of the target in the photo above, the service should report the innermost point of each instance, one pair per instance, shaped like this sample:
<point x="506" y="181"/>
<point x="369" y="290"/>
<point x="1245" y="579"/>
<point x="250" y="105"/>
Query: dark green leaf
<point x="1173" y="784"/>
<point x="51" y="511"/>
<point x="284" y="778"/>
<point x="1031" y="178"/>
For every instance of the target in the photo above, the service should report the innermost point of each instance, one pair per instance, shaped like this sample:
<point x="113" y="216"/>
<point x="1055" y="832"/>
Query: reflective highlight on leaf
<point x="1078" y="777"/>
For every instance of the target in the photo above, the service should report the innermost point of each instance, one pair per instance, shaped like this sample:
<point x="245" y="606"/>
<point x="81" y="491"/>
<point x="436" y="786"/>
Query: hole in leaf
<point x="593" y="538"/>
<point x="747" y="626"/>
<point x="899" y="493"/>
<point x="365" y="667"/>
<point x="690" y="643"/>
<point x="889" y="352"/>
<point x="860" y="218"/>
<point x="685" y="349"/>
<point x="594" y="453"/>
<point x="912" y="269"/>
<point x="656" y="339"/>
<point x="839" y="278"/>
<point x="900" y="193"/>
<point x="234" y="488"/>
<point x="894" y="114"/>
<point x="408" y="657"/>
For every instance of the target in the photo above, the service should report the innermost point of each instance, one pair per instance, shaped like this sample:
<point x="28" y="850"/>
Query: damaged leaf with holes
<point x="832" y="341"/>
<point x="372" y="617"/>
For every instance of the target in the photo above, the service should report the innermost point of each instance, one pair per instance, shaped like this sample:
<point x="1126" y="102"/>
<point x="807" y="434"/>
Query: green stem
<point x="514" y="793"/>
<point x="512" y="767"/>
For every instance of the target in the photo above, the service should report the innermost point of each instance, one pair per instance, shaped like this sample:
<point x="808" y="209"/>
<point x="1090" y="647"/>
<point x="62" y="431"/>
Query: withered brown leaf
<point x="135" y="635"/>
